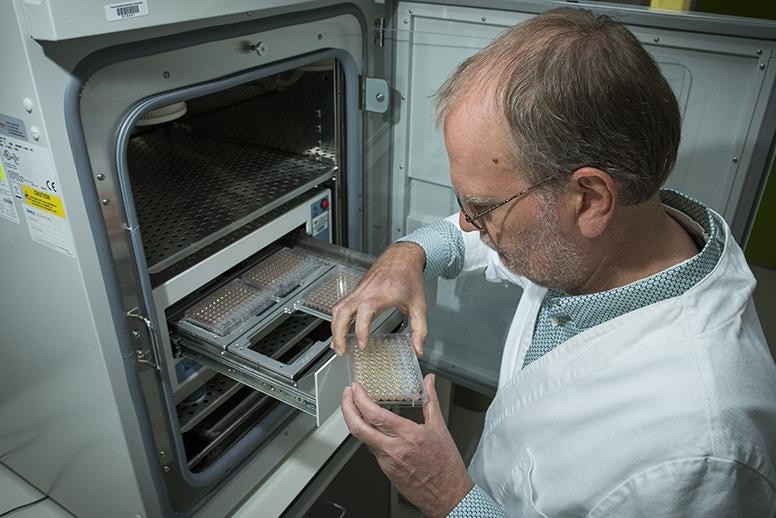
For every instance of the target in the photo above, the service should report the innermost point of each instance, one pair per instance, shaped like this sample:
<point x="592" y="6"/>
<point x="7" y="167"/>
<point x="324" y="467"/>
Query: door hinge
<point x="380" y="32"/>
<point x="376" y="94"/>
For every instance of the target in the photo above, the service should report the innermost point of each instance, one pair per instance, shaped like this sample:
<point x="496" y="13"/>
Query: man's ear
<point x="595" y="196"/>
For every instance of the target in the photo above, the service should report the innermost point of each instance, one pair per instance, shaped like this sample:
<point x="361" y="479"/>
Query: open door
<point x="722" y="73"/>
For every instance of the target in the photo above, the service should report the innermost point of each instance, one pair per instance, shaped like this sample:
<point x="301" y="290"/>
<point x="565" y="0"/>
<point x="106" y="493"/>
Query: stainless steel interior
<point x="202" y="179"/>
<point x="230" y="166"/>
<point x="235" y="156"/>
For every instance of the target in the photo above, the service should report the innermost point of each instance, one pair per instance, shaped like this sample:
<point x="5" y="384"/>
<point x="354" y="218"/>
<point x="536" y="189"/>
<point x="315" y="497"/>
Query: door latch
<point x="377" y="95"/>
<point x="141" y="353"/>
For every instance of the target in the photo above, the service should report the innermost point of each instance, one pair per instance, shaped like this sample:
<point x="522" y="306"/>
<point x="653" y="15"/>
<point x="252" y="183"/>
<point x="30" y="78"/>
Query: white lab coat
<point x="669" y="410"/>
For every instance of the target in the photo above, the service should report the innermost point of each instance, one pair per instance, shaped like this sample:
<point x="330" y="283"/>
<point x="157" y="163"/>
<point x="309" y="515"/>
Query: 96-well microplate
<point x="387" y="369"/>
<point x="228" y="307"/>
<point x="337" y="284"/>
<point x="282" y="271"/>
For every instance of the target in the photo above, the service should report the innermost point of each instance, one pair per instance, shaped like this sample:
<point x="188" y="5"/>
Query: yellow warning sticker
<point x="44" y="201"/>
<point x="2" y="173"/>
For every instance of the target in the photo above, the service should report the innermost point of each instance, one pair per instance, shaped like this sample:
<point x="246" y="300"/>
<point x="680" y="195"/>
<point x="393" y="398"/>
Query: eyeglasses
<point x="472" y="219"/>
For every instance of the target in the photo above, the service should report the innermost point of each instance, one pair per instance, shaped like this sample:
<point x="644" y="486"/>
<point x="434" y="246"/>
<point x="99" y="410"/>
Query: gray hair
<point x="577" y="90"/>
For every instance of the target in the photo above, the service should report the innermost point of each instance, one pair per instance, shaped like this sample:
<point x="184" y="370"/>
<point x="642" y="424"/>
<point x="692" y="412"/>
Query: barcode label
<point x="124" y="10"/>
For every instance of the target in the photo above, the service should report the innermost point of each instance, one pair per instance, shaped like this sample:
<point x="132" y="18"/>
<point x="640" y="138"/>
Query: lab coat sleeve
<point x="449" y="250"/>
<point x="692" y="487"/>
<point x="477" y="504"/>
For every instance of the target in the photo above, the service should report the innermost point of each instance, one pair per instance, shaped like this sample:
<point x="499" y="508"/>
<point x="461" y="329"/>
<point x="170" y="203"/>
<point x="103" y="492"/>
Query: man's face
<point x="528" y="233"/>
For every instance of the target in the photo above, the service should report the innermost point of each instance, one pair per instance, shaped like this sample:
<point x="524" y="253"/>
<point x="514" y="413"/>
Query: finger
<point x="378" y="417"/>
<point x="358" y="426"/>
<point x="364" y="317"/>
<point x="419" y="328"/>
<point x="353" y="419"/>
<point x="432" y="412"/>
<point x="341" y="317"/>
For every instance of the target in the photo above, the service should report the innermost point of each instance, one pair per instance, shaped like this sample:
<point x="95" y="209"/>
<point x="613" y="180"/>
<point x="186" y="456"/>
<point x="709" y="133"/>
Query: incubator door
<point x="720" y="69"/>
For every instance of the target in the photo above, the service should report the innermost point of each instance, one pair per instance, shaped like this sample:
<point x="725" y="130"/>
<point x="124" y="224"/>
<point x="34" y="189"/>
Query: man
<point x="635" y="379"/>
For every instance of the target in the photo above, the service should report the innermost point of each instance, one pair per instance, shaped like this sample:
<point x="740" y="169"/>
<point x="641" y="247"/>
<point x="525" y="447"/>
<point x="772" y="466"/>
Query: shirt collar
<point x="584" y="311"/>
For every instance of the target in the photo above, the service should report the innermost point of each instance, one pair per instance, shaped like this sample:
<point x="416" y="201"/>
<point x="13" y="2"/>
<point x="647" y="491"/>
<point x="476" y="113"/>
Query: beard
<point x="543" y="253"/>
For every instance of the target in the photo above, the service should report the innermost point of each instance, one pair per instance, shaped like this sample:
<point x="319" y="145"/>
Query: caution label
<point x="44" y="201"/>
<point x="31" y="183"/>
<point x="2" y="173"/>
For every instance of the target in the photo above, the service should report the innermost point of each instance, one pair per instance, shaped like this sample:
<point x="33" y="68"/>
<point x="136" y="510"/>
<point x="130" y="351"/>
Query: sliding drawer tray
<point x="268" y="326"/>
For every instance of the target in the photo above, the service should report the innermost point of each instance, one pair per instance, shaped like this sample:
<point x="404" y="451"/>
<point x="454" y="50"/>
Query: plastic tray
<point x="282" y="272"/>
<point x="337" y="284"/>
<point x="387" y="369"/>
<point x="228" y="307"/>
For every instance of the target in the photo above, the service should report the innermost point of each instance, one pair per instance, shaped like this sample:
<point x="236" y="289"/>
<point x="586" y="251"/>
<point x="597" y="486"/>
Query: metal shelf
<point x="191" y="190"/>
<point x="215" y="392"/>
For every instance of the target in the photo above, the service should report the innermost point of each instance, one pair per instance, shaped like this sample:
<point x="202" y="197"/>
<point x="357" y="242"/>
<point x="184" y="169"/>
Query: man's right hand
<point x="395" y="280"/>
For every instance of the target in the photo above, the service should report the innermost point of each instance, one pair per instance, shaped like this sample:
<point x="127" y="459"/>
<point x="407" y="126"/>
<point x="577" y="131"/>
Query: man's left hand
<point x="421" y="460"/>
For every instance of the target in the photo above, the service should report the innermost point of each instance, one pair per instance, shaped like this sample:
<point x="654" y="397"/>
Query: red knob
<point x="325" y="203"/>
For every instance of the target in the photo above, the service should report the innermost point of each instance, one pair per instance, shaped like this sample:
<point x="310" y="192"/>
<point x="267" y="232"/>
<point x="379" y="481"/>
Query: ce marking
<point x="51" y="185"/>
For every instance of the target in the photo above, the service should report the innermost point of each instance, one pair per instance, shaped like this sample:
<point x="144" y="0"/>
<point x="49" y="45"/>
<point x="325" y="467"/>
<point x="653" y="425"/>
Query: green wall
<point x="748" y="8"/>
<point x="761" y="246"/>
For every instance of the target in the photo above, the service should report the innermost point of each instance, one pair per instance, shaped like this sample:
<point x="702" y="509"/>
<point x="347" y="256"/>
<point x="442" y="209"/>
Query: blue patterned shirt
<point x="563" y="316"/>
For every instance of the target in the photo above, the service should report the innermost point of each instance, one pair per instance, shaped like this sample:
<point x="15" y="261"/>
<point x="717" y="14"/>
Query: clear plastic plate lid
<point x="337" y="284"/>
<point x="282" y="271"/>
<point x="228" y="307"/>
<point x="387" y="369"/>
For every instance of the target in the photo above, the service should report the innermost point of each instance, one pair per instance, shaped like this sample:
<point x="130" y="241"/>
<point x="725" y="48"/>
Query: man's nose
<point x="466" y="226"/>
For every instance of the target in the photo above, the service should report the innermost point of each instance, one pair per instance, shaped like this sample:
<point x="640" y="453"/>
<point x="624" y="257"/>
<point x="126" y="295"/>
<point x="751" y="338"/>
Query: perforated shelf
<point x="190" y="190"/>
<point x="217" y="390"/>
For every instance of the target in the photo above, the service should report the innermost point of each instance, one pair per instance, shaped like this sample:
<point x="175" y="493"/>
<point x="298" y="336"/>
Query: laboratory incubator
<point x="187" y="188"/>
